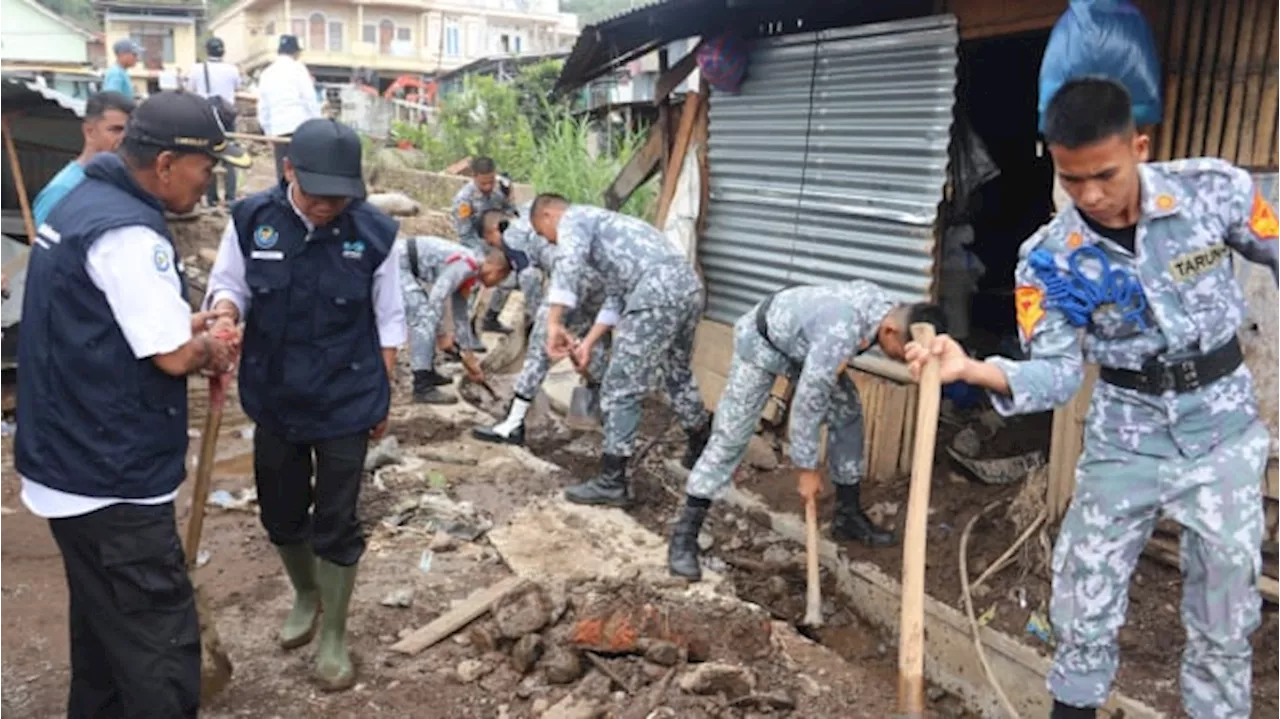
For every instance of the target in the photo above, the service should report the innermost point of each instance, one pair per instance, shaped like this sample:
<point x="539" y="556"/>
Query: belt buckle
<point x="1187" y="377"/>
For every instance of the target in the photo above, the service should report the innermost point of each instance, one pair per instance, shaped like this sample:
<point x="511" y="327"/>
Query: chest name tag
<point x="353" y="249"/>
<point x="267" y="255"/>
<point x="1184" y="267"/>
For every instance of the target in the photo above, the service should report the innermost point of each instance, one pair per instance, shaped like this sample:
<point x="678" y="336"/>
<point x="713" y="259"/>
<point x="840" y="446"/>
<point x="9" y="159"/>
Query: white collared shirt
<point x="286" y="96"/>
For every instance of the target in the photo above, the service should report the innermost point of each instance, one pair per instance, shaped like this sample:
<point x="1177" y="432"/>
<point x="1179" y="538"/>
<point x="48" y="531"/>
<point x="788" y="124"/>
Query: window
<point x="317" y="28"/>
<point x="298" y="28"/>
<point x="156" y="41"/>
<point x="386" y="34"/>
<point x="404" y="34"/>
<point x="369" y="33"/>
<point x="504" y="43"/>
<point x="335" y="36"/>
<point x="452" y="40"/>
<point x="517" y="44"/>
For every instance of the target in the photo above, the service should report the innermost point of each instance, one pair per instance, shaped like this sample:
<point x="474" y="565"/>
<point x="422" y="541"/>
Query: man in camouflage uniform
<point x="485" y="191"/>
<point x="434" y="271"/>
<point x="1173" y="427"/>
<point x="659" y="299"/>
<point x="533" y="256"/>
<point x="809" y="335"/>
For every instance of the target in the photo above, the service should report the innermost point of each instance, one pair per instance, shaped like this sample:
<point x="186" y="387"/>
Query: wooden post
<point x="1066" y="444"/>
<point x="664" y="115"/>
<point x="19" y="184"/>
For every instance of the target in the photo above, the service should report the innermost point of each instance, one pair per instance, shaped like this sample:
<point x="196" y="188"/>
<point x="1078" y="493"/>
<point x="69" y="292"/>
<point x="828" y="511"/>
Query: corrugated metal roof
<point x="606" y="45"/>
<point x="829" y="164"/>
<point x="26" y="96"/>
<point x="46" y="133"/>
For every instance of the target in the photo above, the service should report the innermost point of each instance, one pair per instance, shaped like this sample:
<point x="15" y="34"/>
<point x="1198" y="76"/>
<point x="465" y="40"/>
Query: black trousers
<point x="281" y="151"/>
<point x="135" y="638"/>
<point x="296" y="510"/>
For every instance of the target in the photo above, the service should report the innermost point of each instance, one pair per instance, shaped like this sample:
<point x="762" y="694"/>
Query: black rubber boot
<point x="697" y="442"/>
<point x="608" y="488"/>
<point x="682" y="551"/>
<point x="491" y="324"/>
<point x="425" y="382"/>
<point x="852" y="524"/>
<point x="1066" y="711"/>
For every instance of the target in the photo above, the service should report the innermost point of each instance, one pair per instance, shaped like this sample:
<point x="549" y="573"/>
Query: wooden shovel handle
<point x="911" y="630"/>
<point x="204" y="471"/>
<point x="813" y="595"/>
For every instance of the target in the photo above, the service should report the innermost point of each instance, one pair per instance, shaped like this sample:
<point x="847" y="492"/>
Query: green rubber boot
<point x="300" y="626"/>
<point x="333" y="663"/>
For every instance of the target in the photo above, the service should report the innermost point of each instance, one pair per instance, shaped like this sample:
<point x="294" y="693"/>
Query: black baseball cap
<point x="326" y="159"/>
<point x="184" y="122"/>
<point x="289" y="45"/>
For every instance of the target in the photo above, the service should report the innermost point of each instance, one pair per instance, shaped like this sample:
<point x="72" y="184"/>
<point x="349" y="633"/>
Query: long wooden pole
<point x="19" y="183"/>
<point x="911" y="630"/>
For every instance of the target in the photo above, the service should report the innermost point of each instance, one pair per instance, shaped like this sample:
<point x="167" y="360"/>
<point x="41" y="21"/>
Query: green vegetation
<point x="531" y="139"/>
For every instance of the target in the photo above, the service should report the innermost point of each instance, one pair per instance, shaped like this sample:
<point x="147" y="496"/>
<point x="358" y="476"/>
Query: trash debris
<point x="222" y="499"/>
<point x="7" y="428"/>
<point x="383" y="453"/>
<point x="987" y="616"/>
<point x="442" y="542"/>
<point x="1038" y="627"/>
<point x="402" y="598"/>
<point x="437" y="480"/>
<point x="1005" y="470"/>
<point x="439" y="513"/>
<point x="245" y="432"/>
<point x="424" y="563"/>
<point x="202" y="558"/>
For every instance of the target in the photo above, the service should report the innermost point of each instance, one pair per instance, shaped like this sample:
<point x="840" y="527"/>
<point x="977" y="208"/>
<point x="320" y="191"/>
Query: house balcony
<point x="410" y="59"/>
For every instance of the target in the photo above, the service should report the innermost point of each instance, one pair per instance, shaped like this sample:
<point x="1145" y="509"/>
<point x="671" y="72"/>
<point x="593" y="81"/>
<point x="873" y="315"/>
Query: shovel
<point x="813" y="594"/>
<point x="215" y="665"/>
<point x="584" y="404"/>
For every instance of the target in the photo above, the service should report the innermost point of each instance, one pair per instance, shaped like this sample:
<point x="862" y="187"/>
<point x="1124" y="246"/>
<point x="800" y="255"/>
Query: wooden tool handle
<point x="911" y="630"/>
<point x="813" y="596"/>
<point x="204" y="471"/>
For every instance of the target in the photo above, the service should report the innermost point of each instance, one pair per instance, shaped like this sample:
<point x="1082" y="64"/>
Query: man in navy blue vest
<point x="310" y="268"/>
<point x="107" y="344"/>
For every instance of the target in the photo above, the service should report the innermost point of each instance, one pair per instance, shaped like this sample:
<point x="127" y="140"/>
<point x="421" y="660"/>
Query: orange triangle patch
<point x="1262" y="219"/>
<point x="1028" y="304"/>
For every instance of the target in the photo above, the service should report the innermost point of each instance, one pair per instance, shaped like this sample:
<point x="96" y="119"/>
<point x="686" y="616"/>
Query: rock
<point x="934" y="694"/>
<point x="484" y="636"/>
<point x="760" y="454"/>
<point x="387" y="639"/>
<point x="470" y="670"/>
<point x="705" y="541"/>
<point x="777" y="554"/>
<point x="402" y="598"/>
<point x="698" y="649"/>
<point x="383" y="453"/>
<point x="442" y="542"/>
<point x="561" y="665"/>
<point x="595" y="685"/>
<point x="525" y="654"/>
<point x="809" y="686"/>
<point x="662" y="653"/>
<point x="731" y="680"/>
<point x="573" y="707"/>
<point x="523" y="614"/>
<point x="504" y="711"/>
<point x="777" y="586"/>
<point x="540" y="706"/>
<point x="734" y="543"/>
<point x="394" y="204"/>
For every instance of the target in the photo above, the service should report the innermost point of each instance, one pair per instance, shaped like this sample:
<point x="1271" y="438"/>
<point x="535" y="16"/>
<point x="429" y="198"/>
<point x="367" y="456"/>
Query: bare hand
<point x="223" y="355"/>
<point x="210" y="319"/>
<point x="559" y="343"/>
<point x="951" y="358"/>
<point x="581" y="357"/>
<point x="446" y="342"/>
<point x="809" y="484"/>
<point x="379" y="429"/>
<point x="472" y="367"/>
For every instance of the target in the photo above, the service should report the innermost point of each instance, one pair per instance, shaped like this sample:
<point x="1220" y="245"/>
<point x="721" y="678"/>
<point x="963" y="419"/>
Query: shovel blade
<point x="584" y="411"/>
<point x="215" y="665"/>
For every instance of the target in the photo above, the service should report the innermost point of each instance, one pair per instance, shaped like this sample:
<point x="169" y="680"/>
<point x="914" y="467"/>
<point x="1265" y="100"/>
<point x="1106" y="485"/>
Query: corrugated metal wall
<point x="830" y="163"/>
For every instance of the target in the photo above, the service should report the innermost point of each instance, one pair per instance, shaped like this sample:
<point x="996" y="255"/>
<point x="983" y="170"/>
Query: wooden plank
<point x="908" y="432"/>
<point x="1259" y="59"/>
<point x="1239" y="80"/>
<point x="889" y="446"/>
<point x="1190" y="70"/>
<point x="676" y="75"/>
<point x="639" y="168"/>
<point x="1204" y="81"/>
<point x="1175" y="62"/>
<point x="445" y="625"/>
<point x="1227" y="44"/>
<point x="1266" y="136"/>
<point x="1067" y="444"/>
<point x="693" y="106"/>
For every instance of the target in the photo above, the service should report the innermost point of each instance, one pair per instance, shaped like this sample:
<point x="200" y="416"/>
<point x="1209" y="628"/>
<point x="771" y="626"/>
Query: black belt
<point x="1159" y="375"/>
<point x="412" y="249"/>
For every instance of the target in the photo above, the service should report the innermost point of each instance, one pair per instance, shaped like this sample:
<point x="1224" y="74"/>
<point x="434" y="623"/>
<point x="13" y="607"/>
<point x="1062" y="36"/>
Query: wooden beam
<point x="19" y="184"/>
<point x="642" y="166"/>
<point x="1221" y="77"/>
<point x="1066" y="444"/>
<point x="1190" y="68"/>
<point x="1266" y="136"/>
<point x="676" y="75"/>
<point x="1259" y="60"/>
<point x="1175" y="65"/>
<point x="1204" y="83"/>
<point x="693" y="107"/>
<point x="446" y="624"/>
<point x="1239" y="79"/>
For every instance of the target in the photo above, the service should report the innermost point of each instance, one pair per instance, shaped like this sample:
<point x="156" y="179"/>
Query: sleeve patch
<point x="1029" y="303"/>
<point x="464" y="210"/>
<point x="1262" y="219"/>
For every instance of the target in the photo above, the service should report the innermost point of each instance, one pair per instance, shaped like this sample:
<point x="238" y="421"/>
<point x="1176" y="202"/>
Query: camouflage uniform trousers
<point x="648" y="342"/>
<point x="1216" y="497"/>
<point x="746" y="391"/>
<point x="537" y="363"/>
<point x="422" y="342"/>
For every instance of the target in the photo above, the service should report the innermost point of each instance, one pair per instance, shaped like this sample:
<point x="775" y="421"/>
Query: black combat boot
<point x="697" y="442"/>
<point x="682" y="551"/>
<point x="491" y="324"/>
<point x="425" y="384"/>
<point x="851" y="523"/>
<point x="1066" y="711"/>
<point x="509" y="430"/>
<point x="608" y="488"/>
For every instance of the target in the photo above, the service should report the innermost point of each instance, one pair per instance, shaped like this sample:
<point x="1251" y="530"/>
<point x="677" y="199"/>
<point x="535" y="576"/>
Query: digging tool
<point x="813" y="595"/>
<point x="911" y="630"/>
<point x="584" y="407"/>
<point x="215" y="665"/>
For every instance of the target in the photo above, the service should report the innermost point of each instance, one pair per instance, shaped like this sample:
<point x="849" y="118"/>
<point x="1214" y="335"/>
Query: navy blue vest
<point x="311" y="366"/>
<point x="93" y="419"/>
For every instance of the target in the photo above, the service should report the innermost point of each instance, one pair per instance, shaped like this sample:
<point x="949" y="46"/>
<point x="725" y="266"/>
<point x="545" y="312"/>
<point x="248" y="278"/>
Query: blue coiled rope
<point x="1076" y="296"/>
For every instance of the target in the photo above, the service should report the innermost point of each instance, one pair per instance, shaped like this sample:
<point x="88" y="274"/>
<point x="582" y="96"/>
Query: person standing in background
<point x="116" y="78"/>
<point x="286" y="97"/>
<point x="218" y="81"/>
<point x="105" y="117"/>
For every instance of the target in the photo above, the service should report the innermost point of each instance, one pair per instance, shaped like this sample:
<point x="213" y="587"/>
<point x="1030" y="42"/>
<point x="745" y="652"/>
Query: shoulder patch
<point x="1029" y="305"/>
<point x="1262" y="219"/>
<point x="464" y="210"/>
<point x="265" y="237"/>
<point x="160" y="255"/>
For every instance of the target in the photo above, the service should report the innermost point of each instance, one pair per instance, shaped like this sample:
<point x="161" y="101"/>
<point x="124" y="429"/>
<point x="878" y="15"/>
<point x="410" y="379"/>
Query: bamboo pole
<point x="19" y="183"/>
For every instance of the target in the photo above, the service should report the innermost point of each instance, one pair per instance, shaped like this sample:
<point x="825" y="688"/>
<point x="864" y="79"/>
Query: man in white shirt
<point x="218" y="81"/>
<point x="286" y="97"/>
<point x="108" y="341"/>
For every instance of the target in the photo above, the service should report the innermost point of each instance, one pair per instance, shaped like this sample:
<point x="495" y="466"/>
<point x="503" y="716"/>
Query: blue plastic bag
<point x="1109" y="38"/>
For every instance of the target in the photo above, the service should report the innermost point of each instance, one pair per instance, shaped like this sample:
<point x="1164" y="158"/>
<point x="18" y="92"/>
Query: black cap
<point x="214" y="47"/>
<point x="289" y="45"/>
<point x="184" y="122"/>
<point x="326" y="159"/>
